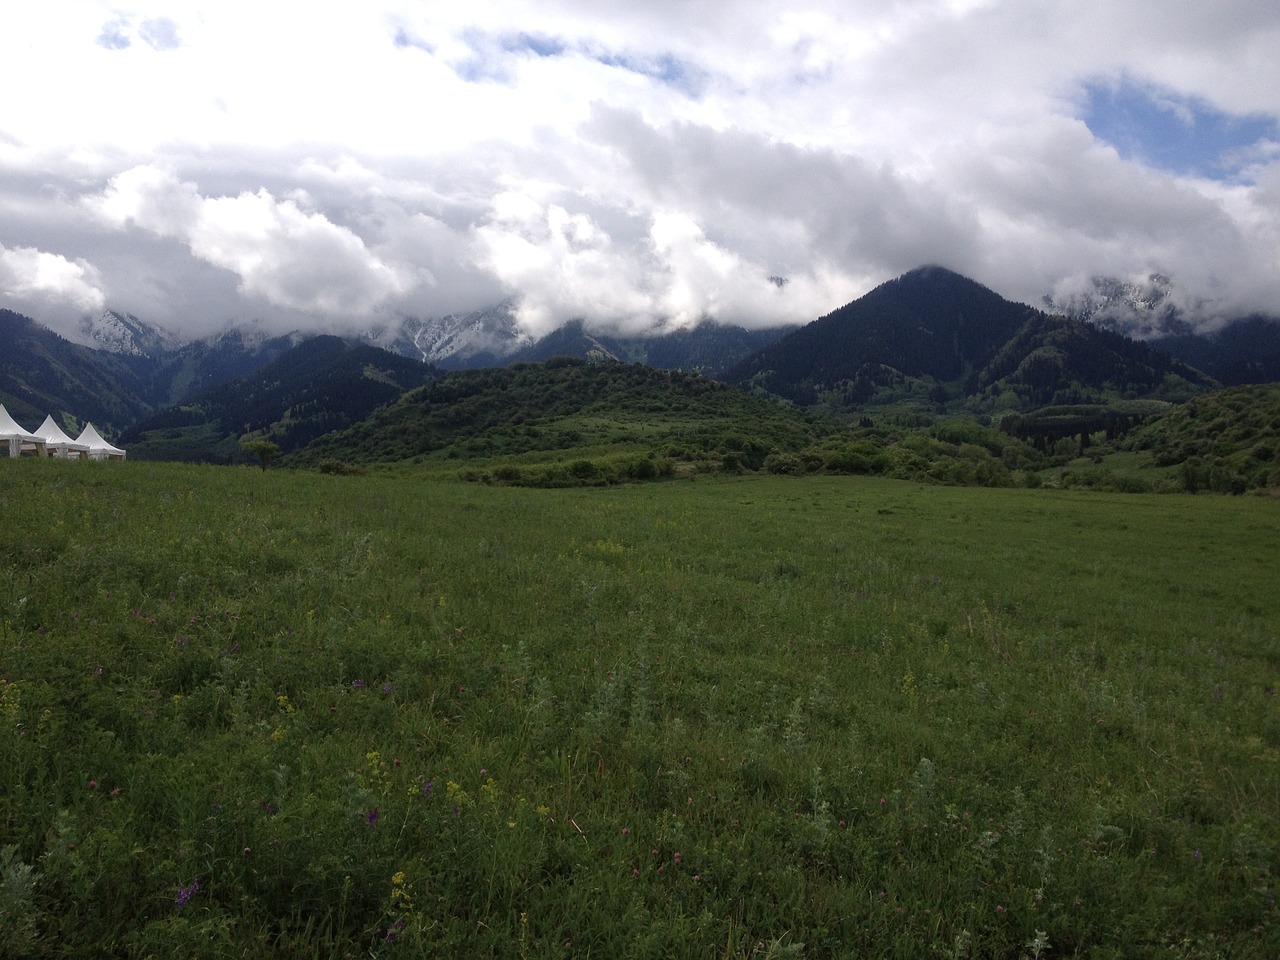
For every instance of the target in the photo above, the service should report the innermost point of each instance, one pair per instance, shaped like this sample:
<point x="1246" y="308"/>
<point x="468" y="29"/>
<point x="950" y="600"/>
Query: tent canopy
<point x="99" y="449"/>
<point x="18" y="440"/>
<point x="58" y="443"/>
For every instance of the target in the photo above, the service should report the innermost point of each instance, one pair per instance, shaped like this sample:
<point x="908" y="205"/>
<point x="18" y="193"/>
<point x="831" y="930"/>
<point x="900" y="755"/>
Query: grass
<point x="289" y="714"/>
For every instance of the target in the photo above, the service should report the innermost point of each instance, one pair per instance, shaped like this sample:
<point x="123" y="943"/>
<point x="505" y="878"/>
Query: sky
<point x="340" y="166"/>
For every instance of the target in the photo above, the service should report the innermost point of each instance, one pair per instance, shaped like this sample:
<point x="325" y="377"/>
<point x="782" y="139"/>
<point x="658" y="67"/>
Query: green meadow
<point x="288" y="714"/>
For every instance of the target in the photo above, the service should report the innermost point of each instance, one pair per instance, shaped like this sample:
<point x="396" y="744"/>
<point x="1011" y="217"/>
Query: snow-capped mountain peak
<point x="1143" y="308"/>
<point x="125" y="334"/>
<point x="455" y="338"/>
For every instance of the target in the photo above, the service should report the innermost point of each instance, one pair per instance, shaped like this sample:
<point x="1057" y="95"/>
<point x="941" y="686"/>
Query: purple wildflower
<point x="358" y="684"/>
<point x="426" y="788"/>
<point x="386" y="687"/>
<point x="371" y="818"/>
<point x="186" y="893"/>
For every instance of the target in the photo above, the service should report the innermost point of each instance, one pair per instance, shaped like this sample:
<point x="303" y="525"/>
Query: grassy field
<point x="284" y="714"/>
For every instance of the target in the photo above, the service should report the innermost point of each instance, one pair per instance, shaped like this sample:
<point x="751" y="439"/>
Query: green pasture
<point x="286" y="714"/>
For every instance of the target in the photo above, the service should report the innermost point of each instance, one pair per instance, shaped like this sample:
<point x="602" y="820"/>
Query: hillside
<point x="943" y="341"/>
<point x="117" y="384"/>
<point x="1055" y="360"/>
<point x="1246" y="351"/>
<point x="194" y="368"/>
<point x="567" y="404"/>
<point x="42" y="373"/>
<point x="708" y="348"/>
<point x="322" y="384"/>
<point x="1226" y="442"/>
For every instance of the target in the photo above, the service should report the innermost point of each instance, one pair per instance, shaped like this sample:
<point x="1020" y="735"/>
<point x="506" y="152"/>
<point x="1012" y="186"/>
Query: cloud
<point x="280" y="252"/>
<point x="638" y="164"/>
<point x="43" y="282"/>
<point x="654" y="271"/>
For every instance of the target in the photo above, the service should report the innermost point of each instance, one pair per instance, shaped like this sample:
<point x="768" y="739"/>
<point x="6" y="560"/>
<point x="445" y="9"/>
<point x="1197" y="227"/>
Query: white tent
<point x="17" y="440"/>
<point x="99" y="449"/>
<point x="58" y="443"/>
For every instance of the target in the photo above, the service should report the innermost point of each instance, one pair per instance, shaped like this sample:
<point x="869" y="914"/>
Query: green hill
<point x="573" y="408"/>
<point x="1227" y="442"/>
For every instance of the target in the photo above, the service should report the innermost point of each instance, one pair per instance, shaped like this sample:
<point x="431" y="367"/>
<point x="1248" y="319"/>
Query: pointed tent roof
<point x="53" y="436"/>
<point x="98" y="448"/>
<point x="9" y="427"/>
<point x="16" y="436"/>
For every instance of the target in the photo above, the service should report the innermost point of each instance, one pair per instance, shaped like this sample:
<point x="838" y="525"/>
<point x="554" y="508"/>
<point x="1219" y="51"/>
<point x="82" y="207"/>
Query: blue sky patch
<point x="666" y="69"/>
<point x="113" y="36"/>
<point x="537" y="45"/>
<point x="1165" y="129"/>
<point x="492" y="53"/>
<point x="404" y="40"/>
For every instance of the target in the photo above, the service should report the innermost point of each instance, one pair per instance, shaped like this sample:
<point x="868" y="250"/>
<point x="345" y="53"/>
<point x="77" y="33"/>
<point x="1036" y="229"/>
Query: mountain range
<point x="930" y="341"/>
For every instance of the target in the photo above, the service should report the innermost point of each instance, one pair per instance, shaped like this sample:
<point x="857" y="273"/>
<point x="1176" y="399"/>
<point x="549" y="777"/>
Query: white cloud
<point x="626" y="163"/>
<point x="288" y="256"/>
<point x="43" y="281"/>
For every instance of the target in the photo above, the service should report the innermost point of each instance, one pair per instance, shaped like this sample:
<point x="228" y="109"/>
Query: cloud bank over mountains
<point x="632" y="165"/>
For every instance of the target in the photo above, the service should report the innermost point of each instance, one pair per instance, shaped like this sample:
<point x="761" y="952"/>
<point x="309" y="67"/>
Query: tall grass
<point x="290" y="714"/>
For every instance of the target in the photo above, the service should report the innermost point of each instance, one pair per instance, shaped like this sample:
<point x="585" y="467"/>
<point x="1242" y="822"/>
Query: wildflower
<point x="426" y="788"/>
<point x="371" y="818"/>
<point x="93" y="784"/>
<point x="358" y="684"/>
<point x="186" y="893"/>
<point x="116" y="793"/>
<point x="386" y="687"/>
